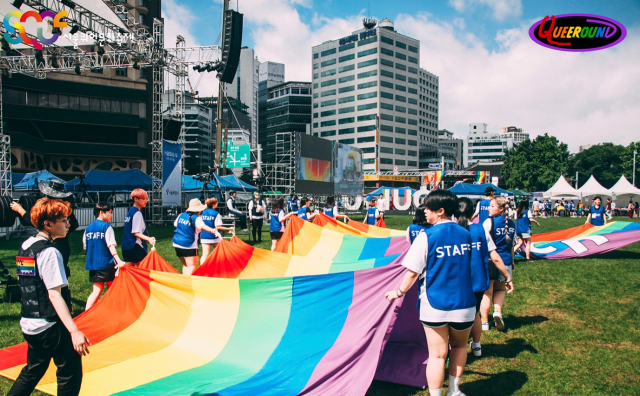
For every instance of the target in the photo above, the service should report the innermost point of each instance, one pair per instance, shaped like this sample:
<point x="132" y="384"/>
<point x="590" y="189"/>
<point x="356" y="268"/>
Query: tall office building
<point x="245" y="88"/>
<point x="373" y="78"/>
<point x="270" y="74"/>
<point x="481" y="145"/>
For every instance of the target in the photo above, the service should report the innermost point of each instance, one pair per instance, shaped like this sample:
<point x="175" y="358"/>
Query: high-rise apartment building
<point x="245" y="88"/>
<point x="482" y="145"/>
<point x="372" y="80"/>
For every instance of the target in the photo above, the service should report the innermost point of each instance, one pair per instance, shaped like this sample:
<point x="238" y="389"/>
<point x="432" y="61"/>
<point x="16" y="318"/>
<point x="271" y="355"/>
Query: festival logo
<point x="577" y="32"/>
<point x="13" y="38"/>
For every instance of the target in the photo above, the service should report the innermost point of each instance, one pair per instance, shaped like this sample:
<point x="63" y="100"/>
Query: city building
<point x="245" y="88"/>
<point x="372" y="79"/>
<point x="70" y="123"/>
<point x="446" y="139"/>
<point x="482" y="145"/>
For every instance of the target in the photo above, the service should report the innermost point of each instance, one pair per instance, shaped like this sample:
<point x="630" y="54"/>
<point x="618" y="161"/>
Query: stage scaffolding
<point x="280" y="176"/>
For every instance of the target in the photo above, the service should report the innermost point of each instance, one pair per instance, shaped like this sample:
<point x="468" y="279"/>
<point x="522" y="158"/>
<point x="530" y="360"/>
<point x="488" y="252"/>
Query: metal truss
<point x="5" y="156"/>
<point x="181" y="77"/>
<point x="155" y="202"/>
<point x="420" y="173"/>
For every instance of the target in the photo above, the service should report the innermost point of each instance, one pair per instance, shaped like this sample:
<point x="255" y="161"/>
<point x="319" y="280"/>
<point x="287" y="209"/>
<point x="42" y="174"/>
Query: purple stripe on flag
<point x="615" y="240"/>
<point x="349" y="366"/>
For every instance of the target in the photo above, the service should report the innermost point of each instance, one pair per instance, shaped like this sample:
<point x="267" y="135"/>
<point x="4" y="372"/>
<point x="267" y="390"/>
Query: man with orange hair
<point x="135" y="235"/>
<point x="46" y="320"/>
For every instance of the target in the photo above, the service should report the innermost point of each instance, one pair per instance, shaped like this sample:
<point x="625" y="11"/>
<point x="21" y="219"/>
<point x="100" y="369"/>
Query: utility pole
<point x="576" y="180"/>
<point x="635" y="152"/>
<point x="220" y="99"/>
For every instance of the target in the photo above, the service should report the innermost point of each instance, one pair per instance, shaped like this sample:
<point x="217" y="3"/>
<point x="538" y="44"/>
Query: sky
<point x="490" y="71"/>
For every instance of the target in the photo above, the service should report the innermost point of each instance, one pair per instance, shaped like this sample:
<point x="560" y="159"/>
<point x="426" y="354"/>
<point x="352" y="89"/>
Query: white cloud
<point x="501" y="9"/>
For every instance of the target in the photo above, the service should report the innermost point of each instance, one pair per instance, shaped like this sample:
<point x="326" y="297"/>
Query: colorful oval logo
<point x="577" y="32"/>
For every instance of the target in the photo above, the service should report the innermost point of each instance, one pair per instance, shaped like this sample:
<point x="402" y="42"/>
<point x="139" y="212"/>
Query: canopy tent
<point x="380" y="190"/>
<point x="475" y="190"/>
<point x="623" y="192"/>
<point x="191" y="184"/>
<point x="30" y="180"/>
<point x="241" y="185"/>
<point x="16" y="178"/>
<point x="592" y="187"/>
<point x="562" y="189"/>
<point x="112" y="181"/>
<point x="520" y="193"/>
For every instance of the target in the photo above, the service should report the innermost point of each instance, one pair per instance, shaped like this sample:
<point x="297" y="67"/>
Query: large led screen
<point x="314" y="171"/>
<point x="347" y="170"/>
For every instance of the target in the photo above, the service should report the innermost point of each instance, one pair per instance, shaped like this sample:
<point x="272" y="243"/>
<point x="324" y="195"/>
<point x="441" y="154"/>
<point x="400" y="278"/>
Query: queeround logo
<point x="577" y="32"/>
<point x="19" y="27"/>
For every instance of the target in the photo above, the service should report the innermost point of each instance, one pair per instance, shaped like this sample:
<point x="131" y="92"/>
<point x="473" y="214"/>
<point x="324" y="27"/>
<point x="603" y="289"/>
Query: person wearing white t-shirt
<point x="382" y="204"/>
<point x="185" y="238"/>
<point x="46" y="322"/>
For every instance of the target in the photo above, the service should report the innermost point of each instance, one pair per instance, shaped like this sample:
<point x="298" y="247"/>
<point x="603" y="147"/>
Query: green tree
<point x="627" y="162"/>
<point x="606" y="162"/>
<point x="535" y="165"/>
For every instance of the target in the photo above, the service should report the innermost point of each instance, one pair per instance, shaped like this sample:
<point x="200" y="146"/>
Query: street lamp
<point x="634" y="167"/>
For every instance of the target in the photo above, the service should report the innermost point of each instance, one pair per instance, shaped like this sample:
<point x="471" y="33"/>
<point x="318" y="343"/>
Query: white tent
<point x="562" y="189"/>
<point x="592" y="188"/>
<point x="624" y="191"/>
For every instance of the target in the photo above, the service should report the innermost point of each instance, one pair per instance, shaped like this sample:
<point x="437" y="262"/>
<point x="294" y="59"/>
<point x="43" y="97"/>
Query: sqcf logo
<point x="577" y="32"/>
<point x="19" y="26"/>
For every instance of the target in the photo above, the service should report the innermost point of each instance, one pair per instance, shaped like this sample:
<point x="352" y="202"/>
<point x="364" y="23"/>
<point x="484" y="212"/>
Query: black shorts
<point x="276" y="235"/>
<point x="479" y="296"/>
<point x="454" y="325"/>
<point x="180" y="252"/>
<point x="494" y="274"/>
<point x="135" y="255"/>
<point x="105" y="275"/>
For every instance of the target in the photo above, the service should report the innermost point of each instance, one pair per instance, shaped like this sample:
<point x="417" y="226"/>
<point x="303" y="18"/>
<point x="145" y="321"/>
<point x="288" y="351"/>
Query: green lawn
<point x="572" y="325"/>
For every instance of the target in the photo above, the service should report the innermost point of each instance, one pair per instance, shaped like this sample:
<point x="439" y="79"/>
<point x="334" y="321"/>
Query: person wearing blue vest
<point x="482" y="249"/>
<point x="596" y="214"/>
<point x="185" y="237"/>
<point x="500" y="232"/>
<point x="304" y="211"/>
<point x="440" y="258"/>
<point x="99" y="242"/>
<point x="211" y="218"/>
<point x="523" y="227"/>
<point x="373" y="214"/>
<point x="276" y="221"/>
<point x="482" y="209"/>
<point x="46" y="321"/>
<point x="420" y="224"/>
<point x="331" y="209"/>
<point x="294" y="204"/>
<point x="135" y="236"/>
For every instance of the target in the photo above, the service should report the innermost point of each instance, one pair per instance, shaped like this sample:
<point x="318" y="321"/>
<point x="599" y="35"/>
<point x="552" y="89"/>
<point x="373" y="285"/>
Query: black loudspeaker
<point x="231" y="46"/>
<point x="171" y="129"/>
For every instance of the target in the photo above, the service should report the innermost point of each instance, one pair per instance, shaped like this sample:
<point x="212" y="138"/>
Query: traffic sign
<point x="434" y="166"/>
<point x="395" y="169"/>
<point x="255" y="173"/>
<point x="238" y="156"/>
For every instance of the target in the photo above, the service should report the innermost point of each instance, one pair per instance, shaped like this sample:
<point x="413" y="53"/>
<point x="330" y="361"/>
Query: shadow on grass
<point x="617" y="255"/>
<point x="516" y="322"/>
<point x="504" y="384"/>
<point x="509" y="350"/>
<point x="379" y="388"/>
<point x="10" y="318"/>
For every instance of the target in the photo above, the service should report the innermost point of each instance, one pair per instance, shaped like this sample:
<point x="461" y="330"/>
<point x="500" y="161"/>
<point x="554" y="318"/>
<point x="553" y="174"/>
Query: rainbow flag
<point x="585" y="240"/>
<point x="437" y="178"/>
<point x="332" y="224"/>
<point x="162" y="333"/>
<point x="303" y="238"/>
<point x="480" y="177"/>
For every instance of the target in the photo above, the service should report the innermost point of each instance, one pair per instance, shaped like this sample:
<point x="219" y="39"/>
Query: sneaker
<point x="485" y="326"/>
<point x="497" y="318"/>
<point x="245" y="231"/>
<point x="477" y="350"/>
<point x="458" y="393"/>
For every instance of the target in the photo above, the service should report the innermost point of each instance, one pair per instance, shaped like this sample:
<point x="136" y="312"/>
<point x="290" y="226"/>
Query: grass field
<point x="572" y="325"/>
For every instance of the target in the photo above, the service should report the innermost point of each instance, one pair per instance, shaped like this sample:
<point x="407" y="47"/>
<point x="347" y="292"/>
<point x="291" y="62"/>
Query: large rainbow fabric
<point x="354" y="228"/>
<point x="303" y="238"/>
<point x="480" y="177"/>
<point x="160" y="333"/>
<point x="585" y="240"/>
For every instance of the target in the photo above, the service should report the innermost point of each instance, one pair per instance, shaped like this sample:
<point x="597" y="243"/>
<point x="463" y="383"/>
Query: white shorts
<point x="210" y="241"/>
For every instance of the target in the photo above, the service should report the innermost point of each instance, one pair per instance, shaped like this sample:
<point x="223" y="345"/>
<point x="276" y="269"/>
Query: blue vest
<point x="371" y="216"/>
<point x="185" y="233"/>
<point x="524" y="224"/>
<point x="479" y="258"/>
<point x="484" y="210"/>
<point x="209" y="219"/>
<point x="302" y="213"/>
<point x="128" y="239"/>
<point x="415" y="230"/>
<point x="329" y="212"/>
<point x="98" y="255"/>
<point x="294" y="206"/>
<point x="597" y="216"/>
<point x="499" y="235"/>
<point x="275" y="225"/>
<point x="448" y="272"/>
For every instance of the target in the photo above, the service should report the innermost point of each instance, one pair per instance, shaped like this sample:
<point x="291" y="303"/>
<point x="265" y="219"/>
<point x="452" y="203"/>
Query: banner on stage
<point x="171" y="173"/>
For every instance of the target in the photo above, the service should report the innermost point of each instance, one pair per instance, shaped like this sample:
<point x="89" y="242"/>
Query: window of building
<point x="400" y="152"/>
<point x="401" y="88"/>
<point x="121" y="72"/>
<point x="412" y="122"/>
<point x="328" y="113"/>
<point x="328" y="62"/>
<point x="386" y="95"/>
<point x="347" y="120"/>
<point x="367" y="117"/>
<point x="413" y="132"/>
<point x="315" y="124"/>
<point x="347" y="89"/>
<point x="386" y="139"/>
<point x="329" y="92"/>
<point x="412" y="142"/>
<point x="401" y="109"/>
<point x="412" y="80"/>
<point x="400" y="44"/>
<point x="346" y="68"/>
<point x="315" y="115"/>
<point x="412" y="163"/>
<point x="401" y="98"/>
<point x="413" y="111"/>
<point x="346" y="47"/>
<point x="345" y="110"/>
<point x="401" y="77"/>
<point x="366" y="128"/>
<point x="400" y="162"/>
<point x="328" y="103"/>
<point x="368" y="85"/>
<point x="400" y="55"/>
<point x="367" y="161"/>
<point x="346" y="131"/>
<point x="401" y="120"/>
<point x="386" y="84"/>
<point x="387" y="161"/>
<point x="367" y="106"/>
<point x="328" y="52"/>
<point x="385" y="51"/>
<point x="347" y="99"/>
<point x="413" y="60"/>
<point x="328" y="133"/>
<point x="401" y="130"/>
<point x="347" y="57"/>
<point x="346" y="141"/>
<point x="387" y="128"/>
<point x="386" y="40"/>
<point x="387" y="150"/>
<point x="328" y="123"/>
<point x="368" y="150"/>
<point x="328" y="83"/>
<point x="346" y="78"/>
<point x="328" y="73"/>
<point x="315" y="66"/>
<point x="315" y="56"/>
<point x="366" y="139"/>
<point x="369" y="73"/>
<point x="368" y="52"/>
<point x="367" y="41"/>
<point x="386" y="117"/>
<point x="413" y="70"/>
<point x="412" y="153"/>
<point x="400" y="141"/>
<point x="413" y="49"/>
<point x="413" y="91"/>
<point x="386" y="105"/>
<point x="413" y="101"/>
<point x="315" y="85"/>
<point x="386" y="62"/>
<point x="367" y="63"/>
<point x="315" y="105"/>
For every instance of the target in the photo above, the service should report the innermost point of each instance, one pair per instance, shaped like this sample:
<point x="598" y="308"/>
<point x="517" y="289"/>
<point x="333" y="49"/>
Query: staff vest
<point x="524" y="224"/>
<point x="185" y="233"/>
<point x="98" y="255"/>
<point x="209" y="218"/>
<point x="479" y="258"/>
<point x="128" y="239"/>
<point x="597" y="216"/>
<point x="371" y="216"/>
<point x="499" y="234"/>
<point x="275" y="225"/>
<point x="415" y="230"/>
<point x="484" y="210"/>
